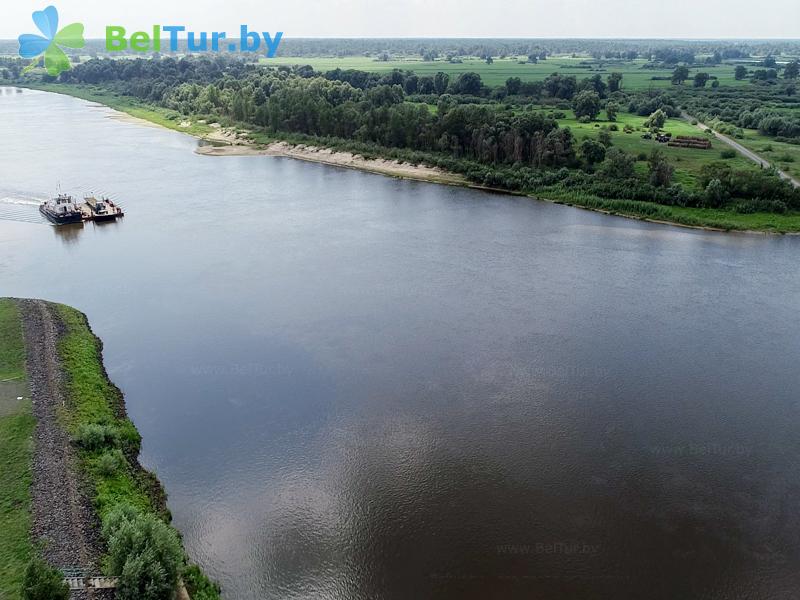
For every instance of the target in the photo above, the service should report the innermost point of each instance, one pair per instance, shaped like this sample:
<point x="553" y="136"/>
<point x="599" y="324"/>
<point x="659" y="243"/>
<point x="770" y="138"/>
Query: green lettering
<point x="115" y="38"/>
<point x="157" y="38"/>
<point x="140" y="41"/>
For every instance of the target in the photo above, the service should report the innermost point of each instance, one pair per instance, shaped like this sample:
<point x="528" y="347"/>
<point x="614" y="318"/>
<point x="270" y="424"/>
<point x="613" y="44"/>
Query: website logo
<point x="50" y="42"/>
<point x="196" y="41"/>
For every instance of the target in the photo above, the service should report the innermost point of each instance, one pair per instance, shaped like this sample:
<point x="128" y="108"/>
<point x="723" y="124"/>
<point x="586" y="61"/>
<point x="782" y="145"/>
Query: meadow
<point x="16" y="449"/>
<point x="635" y="77"/>
<point x="687" y="161"/>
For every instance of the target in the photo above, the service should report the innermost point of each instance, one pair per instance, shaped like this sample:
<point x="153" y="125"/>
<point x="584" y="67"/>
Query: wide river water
<point x="357" y="387"/>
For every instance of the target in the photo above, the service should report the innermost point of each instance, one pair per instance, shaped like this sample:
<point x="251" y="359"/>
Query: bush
<point x="728" y="153"/>
<point x="43" y="582"/>
<point x="759" y="205"/>
<point x="199" y="586"/>
<point x="111" y="462"/>
<point x="785" y="158"/>
<point x="93" y="436"/>
<point x="613" y="127"/>
<point x="145" y="552"/>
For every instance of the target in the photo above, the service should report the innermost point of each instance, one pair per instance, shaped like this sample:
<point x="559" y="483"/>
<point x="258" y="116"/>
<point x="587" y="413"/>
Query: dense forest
<point x="503" y="136"/>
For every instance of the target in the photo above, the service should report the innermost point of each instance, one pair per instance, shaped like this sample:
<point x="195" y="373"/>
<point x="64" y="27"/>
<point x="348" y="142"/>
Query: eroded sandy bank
<point x="331" y="157"/>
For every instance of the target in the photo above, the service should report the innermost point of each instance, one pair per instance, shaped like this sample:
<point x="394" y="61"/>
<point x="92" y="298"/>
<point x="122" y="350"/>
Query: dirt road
<point x="742" y="150"/>
<point x="62" y="514"/>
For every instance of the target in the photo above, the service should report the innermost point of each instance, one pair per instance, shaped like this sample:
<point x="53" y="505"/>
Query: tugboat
<point x="61" y="210"/>
<point x="102" y="209"/>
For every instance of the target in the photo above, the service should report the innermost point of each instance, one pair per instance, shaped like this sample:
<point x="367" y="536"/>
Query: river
<point x="359" y="387"/>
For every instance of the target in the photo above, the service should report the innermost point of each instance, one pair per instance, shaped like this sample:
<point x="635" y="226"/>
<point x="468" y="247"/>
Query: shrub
<point x="145" y="552"/>
<point x="759" y="205"/>
<point x="111" y="462"/>
<point x="785" y="158"/>
<point x="93" y="436"/>
<point x="613" y="127"/>
<point x="728" y="153"/>
<point x="199" y="586"/>
<point x="715" y="194"/>
<point x="43" y="582"/>
<point x="641" y="157"/>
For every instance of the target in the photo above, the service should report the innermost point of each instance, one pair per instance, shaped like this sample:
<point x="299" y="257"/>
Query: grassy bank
<point x="108" y="442"/>
<point x="126" y="104"/>
<point x="688" y="162"/>
<point x="16" y="452"/>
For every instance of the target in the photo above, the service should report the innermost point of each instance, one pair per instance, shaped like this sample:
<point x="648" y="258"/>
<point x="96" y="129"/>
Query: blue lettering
<point x="248" y="41"/>
<point x="272" y="43"/>
<point x="173" y="35"/>
<point x="201" y="47"/>
<point x="216" y="36"/>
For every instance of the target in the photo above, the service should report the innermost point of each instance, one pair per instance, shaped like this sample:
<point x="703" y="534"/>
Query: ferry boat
<point x="103" y="209"/>
<point x="61" y="210"/>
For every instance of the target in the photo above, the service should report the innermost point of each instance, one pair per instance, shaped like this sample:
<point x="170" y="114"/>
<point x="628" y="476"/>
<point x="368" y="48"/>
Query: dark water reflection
<point x="357" y="387"/>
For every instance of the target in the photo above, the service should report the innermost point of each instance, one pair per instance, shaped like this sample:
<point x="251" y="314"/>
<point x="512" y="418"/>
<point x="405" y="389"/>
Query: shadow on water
<point x="68" y="234"/>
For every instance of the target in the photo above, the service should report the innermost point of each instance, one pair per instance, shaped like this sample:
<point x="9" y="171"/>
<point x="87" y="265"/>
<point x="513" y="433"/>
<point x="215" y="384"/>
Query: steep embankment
<point x="85" y="467"/>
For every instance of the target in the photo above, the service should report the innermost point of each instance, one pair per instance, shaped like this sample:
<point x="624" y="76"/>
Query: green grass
<point x="12" y="346"/>
<point x="634" y="76"/>
<point x="693" y="217"/>
<point x="135" y="108"/>
<point x="93" y="399"/>
<point x="687" y="161"/>
<point x="780" y="154"/>
<point x="16" y="451"/>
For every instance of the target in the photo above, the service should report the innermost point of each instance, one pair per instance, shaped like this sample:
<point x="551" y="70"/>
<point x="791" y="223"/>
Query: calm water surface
<point x="355" y="387"/>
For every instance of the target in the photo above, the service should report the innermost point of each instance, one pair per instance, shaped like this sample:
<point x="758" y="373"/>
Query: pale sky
<point x="429" y="18"/>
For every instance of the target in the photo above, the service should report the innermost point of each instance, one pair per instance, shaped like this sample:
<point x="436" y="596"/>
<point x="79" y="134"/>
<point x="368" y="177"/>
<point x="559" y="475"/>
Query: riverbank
<point x="381" y="166"/>
<point x="85" y="466"/>
<point x="227" y="141"/>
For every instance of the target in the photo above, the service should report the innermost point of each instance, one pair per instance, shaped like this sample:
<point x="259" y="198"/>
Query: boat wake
<point x="25" y="210"/>
<point x="20" y="201"/>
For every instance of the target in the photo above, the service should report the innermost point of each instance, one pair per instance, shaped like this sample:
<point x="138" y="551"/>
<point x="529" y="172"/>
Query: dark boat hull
<point x="61" y="219"/>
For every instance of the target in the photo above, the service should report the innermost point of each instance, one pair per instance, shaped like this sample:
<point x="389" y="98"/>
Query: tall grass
<point x="16" y="453"/>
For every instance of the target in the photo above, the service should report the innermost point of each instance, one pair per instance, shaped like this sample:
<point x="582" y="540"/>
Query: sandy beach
<point x="239" y="147"/>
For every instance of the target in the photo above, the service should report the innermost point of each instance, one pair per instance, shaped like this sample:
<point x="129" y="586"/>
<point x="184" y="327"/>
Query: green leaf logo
<point x="50" y="42"/>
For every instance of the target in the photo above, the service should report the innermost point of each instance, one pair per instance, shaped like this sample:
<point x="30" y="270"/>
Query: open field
<point x="16" y="429"/>
<point x="687" y="161"/>
<point x="634" y="76"/>
<point x="781" y="154"/>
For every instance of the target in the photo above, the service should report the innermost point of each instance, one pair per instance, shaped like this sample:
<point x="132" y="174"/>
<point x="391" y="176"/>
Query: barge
<point x="103" y="209"/>
<point x="63" y="209"/>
